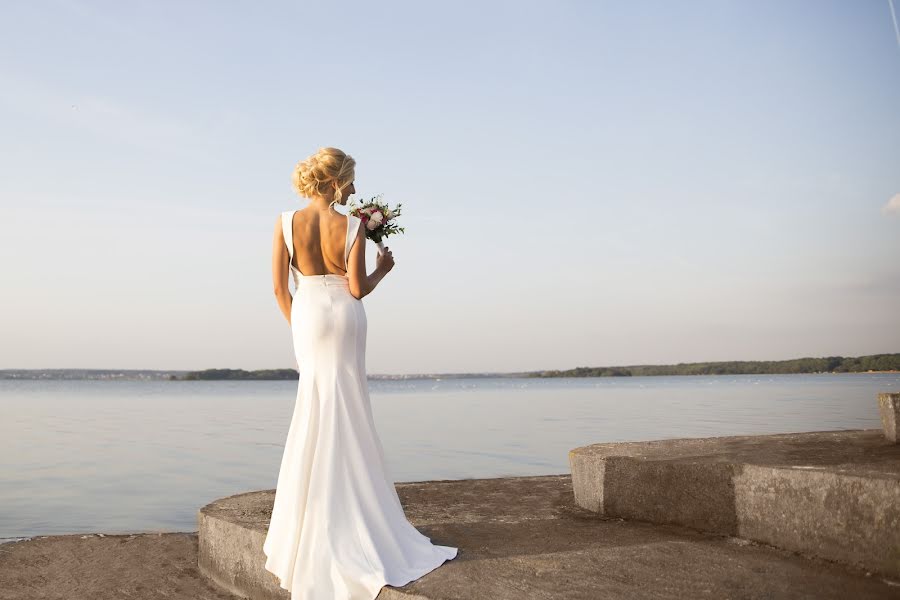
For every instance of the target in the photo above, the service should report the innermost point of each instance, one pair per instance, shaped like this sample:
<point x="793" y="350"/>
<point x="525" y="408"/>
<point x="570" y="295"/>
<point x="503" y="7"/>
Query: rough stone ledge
<point x="523" y="538"/>
<point x="834" y="494"/>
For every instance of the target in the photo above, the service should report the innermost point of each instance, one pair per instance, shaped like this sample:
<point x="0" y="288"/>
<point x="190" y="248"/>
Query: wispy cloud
<point x="893" y="206"/>
<point x="894" y="18"/>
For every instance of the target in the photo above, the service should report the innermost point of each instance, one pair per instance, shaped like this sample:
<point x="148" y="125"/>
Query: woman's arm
<point x="280" y="271"/>
<point x="361" y="284"/>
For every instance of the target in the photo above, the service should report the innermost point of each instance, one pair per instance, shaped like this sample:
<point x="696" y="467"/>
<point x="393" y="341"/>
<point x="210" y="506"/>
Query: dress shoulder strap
<point x="352" y="228"/>
<point x="287" y="230"/>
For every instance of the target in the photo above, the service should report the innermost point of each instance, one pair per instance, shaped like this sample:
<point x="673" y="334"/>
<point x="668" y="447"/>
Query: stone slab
<point x="834" y="494"/>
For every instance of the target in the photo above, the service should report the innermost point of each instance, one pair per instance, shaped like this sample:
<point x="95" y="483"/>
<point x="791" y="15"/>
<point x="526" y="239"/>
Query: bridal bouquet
<point x="378" y="218"/>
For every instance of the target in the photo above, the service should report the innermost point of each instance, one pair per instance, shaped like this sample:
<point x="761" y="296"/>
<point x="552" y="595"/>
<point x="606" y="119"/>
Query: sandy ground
<point x="100" y="567"/>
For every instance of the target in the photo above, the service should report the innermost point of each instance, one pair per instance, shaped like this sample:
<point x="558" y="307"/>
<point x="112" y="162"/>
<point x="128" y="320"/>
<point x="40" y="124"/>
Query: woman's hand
<point x="385" y="261"/>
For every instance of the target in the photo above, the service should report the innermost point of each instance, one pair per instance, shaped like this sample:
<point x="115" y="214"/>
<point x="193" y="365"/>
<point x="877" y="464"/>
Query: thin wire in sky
<point x="894" y="18"/>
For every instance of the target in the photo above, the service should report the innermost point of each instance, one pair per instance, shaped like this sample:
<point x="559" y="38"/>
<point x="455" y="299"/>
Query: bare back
<point x="319" y="242"/>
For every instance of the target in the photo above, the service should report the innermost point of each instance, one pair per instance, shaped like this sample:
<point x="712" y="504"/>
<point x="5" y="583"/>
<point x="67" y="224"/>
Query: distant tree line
<point x="828" y="364"/>
<point x="238" y="374"/>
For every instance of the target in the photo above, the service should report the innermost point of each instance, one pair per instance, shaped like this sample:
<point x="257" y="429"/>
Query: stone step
<point x="833" y="494"/>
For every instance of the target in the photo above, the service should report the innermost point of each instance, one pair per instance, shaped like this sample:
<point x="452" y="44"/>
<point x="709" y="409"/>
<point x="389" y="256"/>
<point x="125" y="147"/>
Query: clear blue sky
<point x="583" y="183"/>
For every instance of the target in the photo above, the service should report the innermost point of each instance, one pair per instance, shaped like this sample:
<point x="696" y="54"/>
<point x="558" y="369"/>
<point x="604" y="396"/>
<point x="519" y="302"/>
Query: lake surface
<point x="144" y="456"/>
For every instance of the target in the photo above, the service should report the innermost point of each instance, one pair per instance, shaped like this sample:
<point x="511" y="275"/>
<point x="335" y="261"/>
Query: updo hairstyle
<point x="316" y="175"/>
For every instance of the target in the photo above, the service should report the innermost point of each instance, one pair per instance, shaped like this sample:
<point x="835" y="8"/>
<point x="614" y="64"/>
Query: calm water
<point x="129" y="456"/>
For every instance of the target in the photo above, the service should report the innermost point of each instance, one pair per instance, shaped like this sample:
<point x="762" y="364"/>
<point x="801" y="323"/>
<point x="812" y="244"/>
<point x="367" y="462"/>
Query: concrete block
<point x="889" y="407"/>
<point x="830" y="494"/>
<point x="692" y="493"/>
<point x="588" y="476"/>
<point x="841" y="516"/>
<point x="231" y="534"/>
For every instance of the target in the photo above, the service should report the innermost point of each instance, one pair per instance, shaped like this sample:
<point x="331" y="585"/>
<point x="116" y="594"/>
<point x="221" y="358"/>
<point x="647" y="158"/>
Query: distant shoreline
<point x="871" y="364"/>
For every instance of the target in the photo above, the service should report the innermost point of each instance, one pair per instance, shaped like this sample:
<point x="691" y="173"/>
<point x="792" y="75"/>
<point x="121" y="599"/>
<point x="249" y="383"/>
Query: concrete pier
<point x="524" y="537"/>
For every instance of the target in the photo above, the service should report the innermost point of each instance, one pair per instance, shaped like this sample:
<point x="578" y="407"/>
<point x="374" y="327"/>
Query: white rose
<point x="377" y="217"/>
<point x="371" y="224"/>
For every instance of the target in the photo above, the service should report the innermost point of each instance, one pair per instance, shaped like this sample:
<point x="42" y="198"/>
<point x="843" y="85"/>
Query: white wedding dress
<point x="338" y="529"/>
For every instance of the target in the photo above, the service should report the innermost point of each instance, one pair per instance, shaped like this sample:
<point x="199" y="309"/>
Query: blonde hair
<point x="313" y="176"/>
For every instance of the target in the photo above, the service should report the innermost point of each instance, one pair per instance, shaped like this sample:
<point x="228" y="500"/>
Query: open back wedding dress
<point x="338" y="530"/>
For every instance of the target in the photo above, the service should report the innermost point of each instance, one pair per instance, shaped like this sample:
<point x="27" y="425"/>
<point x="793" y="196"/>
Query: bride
<point x="337" y="529"/>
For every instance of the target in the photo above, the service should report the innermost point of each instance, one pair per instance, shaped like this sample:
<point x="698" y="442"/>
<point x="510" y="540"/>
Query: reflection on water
<point x="128" y="456"/>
